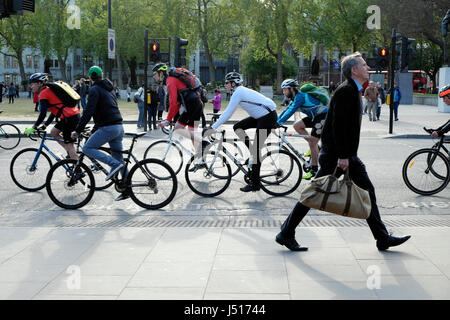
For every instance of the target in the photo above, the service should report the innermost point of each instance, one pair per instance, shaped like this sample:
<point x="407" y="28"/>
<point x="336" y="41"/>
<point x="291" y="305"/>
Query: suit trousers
<point x="358" y="174"/>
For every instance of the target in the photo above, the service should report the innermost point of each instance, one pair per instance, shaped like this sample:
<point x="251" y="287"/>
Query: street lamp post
<point x="109" y="27"/>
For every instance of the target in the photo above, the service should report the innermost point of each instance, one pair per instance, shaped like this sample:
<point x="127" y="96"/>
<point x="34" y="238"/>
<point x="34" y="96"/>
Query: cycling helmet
<point x="95" y="72"/>
<point x="160" y="67"/>
<point x="289" y="83"/>
<point x="38" y="77"/>
<point x="235" y="77"/>
<point x="445" y="90"/>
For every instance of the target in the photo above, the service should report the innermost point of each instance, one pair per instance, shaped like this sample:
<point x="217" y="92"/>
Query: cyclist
<point x="189" y="114"/>
<point x="444" y="93"/>
<point x="102" y="106"/>
<point x="316" y="113"/>
<point x="67" y="118"/>
<point x="263" y="117"/>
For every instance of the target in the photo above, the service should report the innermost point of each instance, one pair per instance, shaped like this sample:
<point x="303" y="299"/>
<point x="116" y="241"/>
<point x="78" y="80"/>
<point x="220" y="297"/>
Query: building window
<point x="15" y="63"/>
<point x="15" y="78"/>
<point x="28" y="62"/>
<point x="77" y="62"/>
<point x="56" y="63"/>
<point x="7" y="62"/>
<point x="37" y="62"/>
<point x="7" y="78"/>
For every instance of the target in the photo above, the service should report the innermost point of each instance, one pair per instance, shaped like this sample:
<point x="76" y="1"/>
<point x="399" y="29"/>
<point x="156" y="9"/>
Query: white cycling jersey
<point x="256" y="105"/>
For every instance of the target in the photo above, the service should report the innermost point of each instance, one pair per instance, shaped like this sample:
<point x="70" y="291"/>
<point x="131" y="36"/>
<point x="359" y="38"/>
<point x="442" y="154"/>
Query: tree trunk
<point x="62" y="68"/>
<point x="279" y="69"/>
<point x="22" y="70"/>
<point x="119" y="65"/>
<point x="132" y="65"/>
<point x="212" y="69"/>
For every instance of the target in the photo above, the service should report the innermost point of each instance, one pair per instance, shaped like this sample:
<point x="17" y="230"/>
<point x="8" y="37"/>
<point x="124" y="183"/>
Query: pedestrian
<point x="216" y="101"/>
<point x="83" y="92"/>
<point x="381" y="99"/>
<point x="152" y="107"/>
<point x="36" y="101"/>
<point x="117" y="93"/>
<point x="397" y="99"/>
<point x="17" y="91"/>
<point x="128" y="93"/>
<point x="11" y="92"/>
<point x="371" y="95"/>
<point x="139" y="99"/>
<point x="2" y="88"/>
<point x="364" y="100"/>
<point x="162" y="101"/>
<point x="340" y="141"/>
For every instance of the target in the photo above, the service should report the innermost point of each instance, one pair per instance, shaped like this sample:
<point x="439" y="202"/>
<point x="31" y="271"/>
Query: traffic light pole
<point x="109" y="27"/>
<point x="144" y="117"/>
<point x="391" y="80"/>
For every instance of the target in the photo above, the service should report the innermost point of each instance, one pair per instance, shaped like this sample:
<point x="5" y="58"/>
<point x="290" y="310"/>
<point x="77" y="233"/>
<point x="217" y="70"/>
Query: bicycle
<point x="151" y="182"/>
<point x="427" y="171"/>
<point x="9" y="135"/>
<point x="172" y="150"/>
<point x="29" y="167"/>
<point x="286" y="145"/>
<point x="280" y="172"/>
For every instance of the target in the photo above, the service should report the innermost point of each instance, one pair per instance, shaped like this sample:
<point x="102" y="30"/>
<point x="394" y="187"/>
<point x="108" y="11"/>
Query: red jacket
<point x="35" y="97"/>
<point x="173" y="85"/>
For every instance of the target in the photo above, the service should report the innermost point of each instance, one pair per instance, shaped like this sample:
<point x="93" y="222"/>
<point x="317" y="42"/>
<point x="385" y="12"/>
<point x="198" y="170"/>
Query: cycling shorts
<point x="67" y="126"/>
<point x="316" y="124"/>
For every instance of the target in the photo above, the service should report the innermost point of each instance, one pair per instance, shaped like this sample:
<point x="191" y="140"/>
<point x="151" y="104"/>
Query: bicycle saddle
<point x="135" y="135"/>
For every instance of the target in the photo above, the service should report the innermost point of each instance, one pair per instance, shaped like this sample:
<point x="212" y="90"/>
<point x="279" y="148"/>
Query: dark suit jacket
<point x="341" y="131"/>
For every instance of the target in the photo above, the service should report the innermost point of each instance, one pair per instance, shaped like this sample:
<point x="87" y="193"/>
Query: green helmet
<point x="95" y="72"/>
<point x="160" y="67"/>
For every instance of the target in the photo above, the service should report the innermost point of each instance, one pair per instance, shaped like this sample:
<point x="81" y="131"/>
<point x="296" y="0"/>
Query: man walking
<point x="371" y="95"/>
<point x="340" y="141"/>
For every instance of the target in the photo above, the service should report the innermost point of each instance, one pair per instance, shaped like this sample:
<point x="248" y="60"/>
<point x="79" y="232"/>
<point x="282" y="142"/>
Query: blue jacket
<point x="397" y="94"/>
<point x="306" y="104"/>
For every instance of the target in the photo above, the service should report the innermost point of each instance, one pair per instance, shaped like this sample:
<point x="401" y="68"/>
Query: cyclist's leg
<point x="240" y="127"/>
<point x="316" y="132"/>
<point x="263" y="129"/>
<point x="62" y="131"/>
<point x="98" y="139"/>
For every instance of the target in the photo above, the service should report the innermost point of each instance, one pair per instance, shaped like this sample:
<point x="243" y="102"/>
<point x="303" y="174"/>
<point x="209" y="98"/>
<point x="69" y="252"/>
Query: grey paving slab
<point x="402" y="267"/>
<point x="98" y="285"/>
<point x="14" y="271"/>
<point x="322" y="256"/>
<point x="246" y="296"/>
<point x="330" y="290"/>
<point x="414" y="288"/>
<point x="261" y="281"/>
<point x="247" y="241"/>
<point x="299" y="271"/>
<point x="370" y="252"/>
<point x="249" y="262"/>
<point x="437" y="255"/>
<point x="20" y="290"/>
<point x="73" y="297"/>
<point x="172" y="274"/>
<point x="156" y="293"/>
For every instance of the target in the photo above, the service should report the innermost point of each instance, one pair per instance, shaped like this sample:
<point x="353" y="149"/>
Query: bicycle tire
<point x="275" y="180"/>
<point x="422" y="167"/>
<point x="237" y="152"/>
<point x="201" y="178"/>
<point x="21" y="164"/>
<point x="58" y="180"/>
<point x="150" y="184"/>
<point x="9" y="136"/>
<point x="174" y="156"/>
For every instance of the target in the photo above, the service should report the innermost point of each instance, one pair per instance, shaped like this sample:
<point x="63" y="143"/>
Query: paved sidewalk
<point x="220" y="263"/>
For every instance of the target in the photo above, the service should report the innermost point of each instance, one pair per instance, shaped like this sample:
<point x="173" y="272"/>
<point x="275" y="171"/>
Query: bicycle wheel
<point x="210" y="179"/>
<point x="9" y="136"/>
<point x="166" y="151"/>
<point x="70" y="186"/>
<point x="426" y="171"/>
<point x="99" y="172"/>
<point x="27" y="176"/>
<point x="146" y="189"/>
<point x="280" y="173"/>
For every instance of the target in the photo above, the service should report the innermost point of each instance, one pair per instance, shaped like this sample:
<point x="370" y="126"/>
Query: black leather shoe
<point x="289" y="243"/>
<point x="250" y="187"/>
<point x="122" y="196"/>
<point x="391" y="242"/>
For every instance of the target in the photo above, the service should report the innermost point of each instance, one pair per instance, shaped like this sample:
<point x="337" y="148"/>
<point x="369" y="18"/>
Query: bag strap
<point x="331" y="180"/>
<point x="349" y="197"/>
<point x="258" y="104"/>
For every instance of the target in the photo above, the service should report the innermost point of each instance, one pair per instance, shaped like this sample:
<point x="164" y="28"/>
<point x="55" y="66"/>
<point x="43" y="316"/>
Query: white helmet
<point x="289" y="83"/>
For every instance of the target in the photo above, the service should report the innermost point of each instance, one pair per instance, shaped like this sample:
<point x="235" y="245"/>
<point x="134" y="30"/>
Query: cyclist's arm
<point x="173" y="99"/>
<point x="44" y="105"/>
<point x="232" y="105"/>
<point x="444" y="128"/>
<point x="88" y="112"/>
<point x="291" y="109"/>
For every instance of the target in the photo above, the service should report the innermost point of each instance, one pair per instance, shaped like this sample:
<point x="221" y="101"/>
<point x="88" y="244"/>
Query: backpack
<point x="185" y="76"/>
<point x="65" y="93"/>
<point x="319" y="93"/>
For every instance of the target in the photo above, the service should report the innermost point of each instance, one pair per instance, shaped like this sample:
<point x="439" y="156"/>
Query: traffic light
<point x="14" y="7"/>
<point x="155" y="54"/>
<point x="383" y="58"/>
<point x="180" y="52"/>
<point x="407" y="53"/>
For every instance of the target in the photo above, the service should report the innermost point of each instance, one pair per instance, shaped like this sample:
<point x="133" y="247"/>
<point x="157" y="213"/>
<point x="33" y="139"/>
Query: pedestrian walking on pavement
<point x="216" y="101"/>
<point x="139" y="99"/>
<point x="381" y="99"/>
<point x="152" y="107"/>
<point x="340" y="141"/>
<point x="162" y="101"/>
<point x="83" y="92"/>
<point x="397" y="99"/>
<point x="2" y="89"/>
<point x="371" y="95"/>
<point x="11" y="92"/>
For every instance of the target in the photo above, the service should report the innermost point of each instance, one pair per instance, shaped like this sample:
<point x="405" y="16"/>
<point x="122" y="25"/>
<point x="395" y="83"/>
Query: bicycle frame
<point x="43" y="146"/>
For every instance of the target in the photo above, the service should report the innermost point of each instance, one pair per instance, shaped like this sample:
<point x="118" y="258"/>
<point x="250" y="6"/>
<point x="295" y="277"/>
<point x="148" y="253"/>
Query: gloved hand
<point x="29" y="131"/>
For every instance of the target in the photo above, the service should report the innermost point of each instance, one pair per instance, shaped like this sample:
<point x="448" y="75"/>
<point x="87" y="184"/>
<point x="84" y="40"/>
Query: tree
<point x="15" y="34"/>
<point x="428" y="59"/>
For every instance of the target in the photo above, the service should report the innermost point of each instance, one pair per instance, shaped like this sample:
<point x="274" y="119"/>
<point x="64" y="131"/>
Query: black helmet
<point x="38" y="77"/>
<point x="160" y="67"/>
<point x="235" y="77"/>
<point x="289" y="83"/>
<point x="445" y="90"/>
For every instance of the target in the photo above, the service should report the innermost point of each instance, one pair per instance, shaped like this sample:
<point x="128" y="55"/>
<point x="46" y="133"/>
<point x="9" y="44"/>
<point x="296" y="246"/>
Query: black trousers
<point x="359" y="176"/>
<point x="263" y="126"/>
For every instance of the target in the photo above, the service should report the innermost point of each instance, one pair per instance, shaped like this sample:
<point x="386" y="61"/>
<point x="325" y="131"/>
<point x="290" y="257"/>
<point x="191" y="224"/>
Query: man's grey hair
<point x="348" y="63"/>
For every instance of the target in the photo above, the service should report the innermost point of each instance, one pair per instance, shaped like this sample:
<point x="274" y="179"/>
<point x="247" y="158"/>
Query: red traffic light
<point x="155" y="47"/>
<point x="383" y="52"/>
